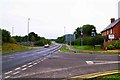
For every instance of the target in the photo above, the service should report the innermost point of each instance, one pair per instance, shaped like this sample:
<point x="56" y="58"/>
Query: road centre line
<point x="24" y="69"/>
<point x="8" y="72"/>
<point x="24" y="65"/>
<point x="16" y="72"/>
<point x="30" y="65"/>
<point x="18" y="68"/>
<point x="7" y="77"/>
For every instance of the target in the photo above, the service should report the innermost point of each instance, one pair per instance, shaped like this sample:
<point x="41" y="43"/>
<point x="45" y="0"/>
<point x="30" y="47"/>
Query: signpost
<point x="111" y="36"/>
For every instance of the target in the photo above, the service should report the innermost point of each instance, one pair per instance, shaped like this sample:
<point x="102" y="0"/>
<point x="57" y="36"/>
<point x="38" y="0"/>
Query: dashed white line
<point x="17" y="68"/>
<point x="34" y="63"/>
<point x="24" y="69"/>
<point x="24" y="65"/>
<point x="8" y="72"/>
<point x="16" y="72"/>
<point x="7" y="77"/>
<point x="30" y="65"/>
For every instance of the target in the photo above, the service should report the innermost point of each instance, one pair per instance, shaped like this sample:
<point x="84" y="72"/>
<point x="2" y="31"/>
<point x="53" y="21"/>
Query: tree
<point x="5" y="35"/>
<point x="87" y="29"/>
<point x="77" y="32"/>
<point x="60" y="39"/>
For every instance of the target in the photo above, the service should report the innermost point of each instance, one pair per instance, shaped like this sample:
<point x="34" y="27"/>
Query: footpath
<point x="91" y="51"/>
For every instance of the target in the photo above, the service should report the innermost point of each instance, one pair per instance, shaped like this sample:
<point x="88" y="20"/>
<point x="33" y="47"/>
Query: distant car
<point x="46" y="46"/>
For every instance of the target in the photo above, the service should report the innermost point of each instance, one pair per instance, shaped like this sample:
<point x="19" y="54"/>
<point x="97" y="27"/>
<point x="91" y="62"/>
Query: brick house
<point x="113" y="28"/>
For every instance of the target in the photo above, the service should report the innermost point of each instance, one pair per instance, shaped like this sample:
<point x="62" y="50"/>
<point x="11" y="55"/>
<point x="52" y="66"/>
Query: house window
<point x="107" y="32"/>
<point x="111" y="31"/>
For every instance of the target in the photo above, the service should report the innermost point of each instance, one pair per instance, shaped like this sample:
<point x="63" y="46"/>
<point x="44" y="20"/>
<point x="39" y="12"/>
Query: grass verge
<point x="115" y="76"/>
<point x="11" y="47"/>
<point x="87" y="47"/>
<point x="96" y="50"/>
<point x="64" y="49"/>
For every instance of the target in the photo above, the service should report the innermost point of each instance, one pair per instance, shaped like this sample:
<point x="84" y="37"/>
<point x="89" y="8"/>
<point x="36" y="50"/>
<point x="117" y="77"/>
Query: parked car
<point x="46" y="46"/>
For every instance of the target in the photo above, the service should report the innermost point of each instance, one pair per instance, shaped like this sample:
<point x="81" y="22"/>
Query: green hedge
<point x="88" y="40"/>
<point x="115" y="46"/>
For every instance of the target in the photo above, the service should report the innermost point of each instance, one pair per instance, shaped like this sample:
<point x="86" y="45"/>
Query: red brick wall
<point x="116" y="31"/>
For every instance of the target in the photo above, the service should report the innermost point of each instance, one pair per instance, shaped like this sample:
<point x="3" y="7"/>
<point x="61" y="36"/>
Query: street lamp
<point x="12" y="31"/>
<point x="81" y="35"/>
<point x="28" y="28"/>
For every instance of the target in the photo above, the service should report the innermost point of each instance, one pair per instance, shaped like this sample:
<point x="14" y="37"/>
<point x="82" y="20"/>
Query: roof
<point x="112" y="24"/>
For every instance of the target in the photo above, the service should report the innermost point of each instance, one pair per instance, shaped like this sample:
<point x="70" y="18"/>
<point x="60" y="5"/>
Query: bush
<point x="42" y="42"/>
<point x="117" y="45"/>
<point x="110" y="47"/>
<point x="88" y="40"/>
<point x="39" y="43"/>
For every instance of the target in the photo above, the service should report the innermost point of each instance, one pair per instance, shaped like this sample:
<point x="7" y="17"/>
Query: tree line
<point x="88" y="38"/>
<point x="31" y="37"/>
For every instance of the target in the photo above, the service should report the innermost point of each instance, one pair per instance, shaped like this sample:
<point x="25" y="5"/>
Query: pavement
<point x="91" y="51"/>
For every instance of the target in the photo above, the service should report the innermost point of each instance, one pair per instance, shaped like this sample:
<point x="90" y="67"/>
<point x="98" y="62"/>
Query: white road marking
<point x="34" y="63"/>
<point x="9" y="72"/>
<point x="108" y="62"/>
<point x="16" y="72"/>
<point x="7" y="77"/>
<point x="24" y="65"/>
<point x="30" y="65"/>
<point x="89" y="62"/>
<point x="119" y="55"/>
<point x="17" y="68"/>
<point x="24" y="69"/>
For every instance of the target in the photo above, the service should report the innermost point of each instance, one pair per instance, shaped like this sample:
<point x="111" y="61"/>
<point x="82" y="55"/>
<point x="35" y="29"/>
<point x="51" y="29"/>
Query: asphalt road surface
<point x="56" y="64"/>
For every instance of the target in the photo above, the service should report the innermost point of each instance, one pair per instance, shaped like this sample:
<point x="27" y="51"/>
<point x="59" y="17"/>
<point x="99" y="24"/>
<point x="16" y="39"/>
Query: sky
<point x="54" y="18"/>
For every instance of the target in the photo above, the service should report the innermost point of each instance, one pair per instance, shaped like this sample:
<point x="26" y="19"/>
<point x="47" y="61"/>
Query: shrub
<point x="117" y="45"/>
<point x="110" y="47"/>
<point x="39" y="43"/>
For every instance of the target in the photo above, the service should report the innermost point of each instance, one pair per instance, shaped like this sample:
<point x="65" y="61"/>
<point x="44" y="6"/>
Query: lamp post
<point x="28" y="28"/>
<point x="12" y="31"/>
<point x="81" y="36"/>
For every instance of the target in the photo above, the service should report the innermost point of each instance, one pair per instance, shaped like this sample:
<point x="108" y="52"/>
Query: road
<point x="58" y="64"/>
<point x="20" y="58"/>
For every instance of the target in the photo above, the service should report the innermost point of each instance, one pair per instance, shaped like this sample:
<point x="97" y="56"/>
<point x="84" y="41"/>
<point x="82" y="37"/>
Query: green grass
<point x="64" y="49"/>
<point x="107" y="77"/>
<point x="87" y="47"/>
<point x="11" y="47"/>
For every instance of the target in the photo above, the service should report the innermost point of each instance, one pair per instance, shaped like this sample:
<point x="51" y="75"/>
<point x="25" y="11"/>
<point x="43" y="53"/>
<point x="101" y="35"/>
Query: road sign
<point x="111" y="36"/>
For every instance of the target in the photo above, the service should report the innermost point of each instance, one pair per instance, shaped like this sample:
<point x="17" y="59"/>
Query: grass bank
<point x="64" y="49"/>
<point x="11" y="47"/>
<point x="87" y="47"/>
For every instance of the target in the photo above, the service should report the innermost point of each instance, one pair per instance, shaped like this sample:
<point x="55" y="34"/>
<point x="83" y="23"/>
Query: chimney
<point x="112" y="20"/>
